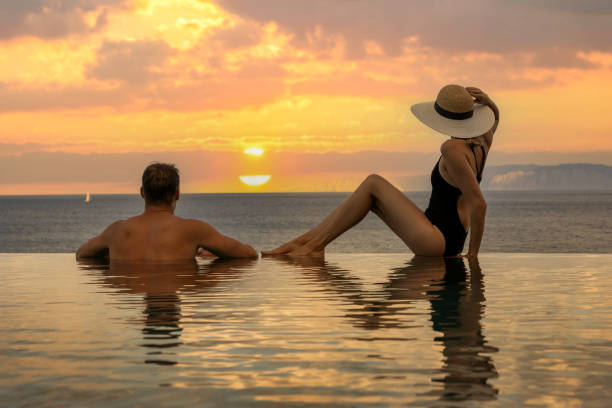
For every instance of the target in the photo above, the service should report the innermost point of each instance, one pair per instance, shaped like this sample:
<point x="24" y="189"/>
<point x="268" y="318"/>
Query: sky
<point x="91" y="91"/>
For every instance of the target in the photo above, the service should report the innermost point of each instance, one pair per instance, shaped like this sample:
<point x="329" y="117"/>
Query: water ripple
<point x="352" y="330"/>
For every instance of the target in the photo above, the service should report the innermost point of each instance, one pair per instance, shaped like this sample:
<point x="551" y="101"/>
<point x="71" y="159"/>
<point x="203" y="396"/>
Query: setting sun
<point x="254" y="151"/>
<point x="257" y="180"/>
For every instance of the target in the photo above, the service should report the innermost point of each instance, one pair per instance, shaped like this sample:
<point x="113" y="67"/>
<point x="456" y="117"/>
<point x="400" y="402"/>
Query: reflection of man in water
<point x="457" y="306"/>
<point x="162" y="286"/>
<point x="157" y="234"/>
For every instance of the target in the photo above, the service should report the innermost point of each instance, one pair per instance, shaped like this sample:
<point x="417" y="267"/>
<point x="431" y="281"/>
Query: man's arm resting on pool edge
<point x="97" y="246"/>
<point x="220" y="245"/>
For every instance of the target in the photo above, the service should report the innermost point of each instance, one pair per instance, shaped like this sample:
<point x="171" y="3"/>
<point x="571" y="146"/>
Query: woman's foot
<point x="308" y="249"/>
<point x="283" y="249"/>
<point x="296" y="248"/>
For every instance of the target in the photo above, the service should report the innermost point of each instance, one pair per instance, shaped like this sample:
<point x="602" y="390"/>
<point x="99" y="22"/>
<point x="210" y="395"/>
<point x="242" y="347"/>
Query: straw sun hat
<point x="454" y="113"/>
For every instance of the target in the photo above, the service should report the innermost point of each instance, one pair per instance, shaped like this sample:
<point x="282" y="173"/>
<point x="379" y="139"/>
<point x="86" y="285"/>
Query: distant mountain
<point x="574" y="176"/>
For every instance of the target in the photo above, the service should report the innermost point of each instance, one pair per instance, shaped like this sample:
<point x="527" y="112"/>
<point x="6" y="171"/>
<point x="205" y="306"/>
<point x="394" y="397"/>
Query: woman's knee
<point x="374" y="180"/>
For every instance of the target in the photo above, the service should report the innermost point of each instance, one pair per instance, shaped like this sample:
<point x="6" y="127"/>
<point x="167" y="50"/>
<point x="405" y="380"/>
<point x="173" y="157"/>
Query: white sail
<point x="87" y="198"/>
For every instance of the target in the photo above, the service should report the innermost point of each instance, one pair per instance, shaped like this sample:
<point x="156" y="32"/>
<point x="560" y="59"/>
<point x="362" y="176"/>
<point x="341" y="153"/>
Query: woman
<point x="470" y="117"/>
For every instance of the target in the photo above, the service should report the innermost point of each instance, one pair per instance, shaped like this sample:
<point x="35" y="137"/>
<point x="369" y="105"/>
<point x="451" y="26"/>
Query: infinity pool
<point x="352" y="331"/>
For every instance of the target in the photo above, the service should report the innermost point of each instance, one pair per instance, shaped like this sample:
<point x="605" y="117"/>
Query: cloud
<point x="12" y="149"/>
<point x="579" y="7"/>
<point x="242" y="35"/>
<point x="58" y="166"/>
<point x="454" y="27"/>
<point x="41" y="167"/>
<point x="555" y="58"/>
<point x="19" y="99"/>
<point x="135" y="62"/>
<point x="207" y="170"/>
<point x="391" y="49"/>
<point x="140" y="71"/>
<point x="512" y="177"/>
<point x="53" y="167"/>
<point x="230" y="91"/>
<point x="227" y="91"/>
<point x="51" y="19"/>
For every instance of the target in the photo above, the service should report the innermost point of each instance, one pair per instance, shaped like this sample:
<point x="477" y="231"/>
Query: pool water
<point x="351" y="331"/>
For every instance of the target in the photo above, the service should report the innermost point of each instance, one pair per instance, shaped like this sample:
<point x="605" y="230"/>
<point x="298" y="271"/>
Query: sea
<point x="368" y="326"/>
<point x="517" y="221"/>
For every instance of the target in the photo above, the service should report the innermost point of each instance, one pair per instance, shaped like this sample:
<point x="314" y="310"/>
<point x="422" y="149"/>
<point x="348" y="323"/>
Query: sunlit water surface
<point x="355" y="330"/>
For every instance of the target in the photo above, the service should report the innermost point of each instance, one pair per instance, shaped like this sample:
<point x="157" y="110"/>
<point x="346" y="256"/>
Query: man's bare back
<point x="158" y="235"/>
<point x="161" y="236"/>
<point x="154" y="236"/>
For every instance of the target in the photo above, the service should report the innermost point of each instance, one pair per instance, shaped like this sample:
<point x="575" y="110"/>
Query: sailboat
<point x="87" y="197"/>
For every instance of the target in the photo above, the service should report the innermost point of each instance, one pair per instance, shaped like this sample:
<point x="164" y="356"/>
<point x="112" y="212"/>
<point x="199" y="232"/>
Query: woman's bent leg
<point x="391" y="205"/>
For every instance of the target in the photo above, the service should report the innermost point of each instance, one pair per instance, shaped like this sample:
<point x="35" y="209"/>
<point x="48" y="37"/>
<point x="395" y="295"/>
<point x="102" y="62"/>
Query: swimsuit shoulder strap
<point x="475" y="158"/>
<point x="484" y="158"/>
<point x="478" y="171"/>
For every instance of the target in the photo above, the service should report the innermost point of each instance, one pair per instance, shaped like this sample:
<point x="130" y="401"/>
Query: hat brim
<point x="481" y="122"/>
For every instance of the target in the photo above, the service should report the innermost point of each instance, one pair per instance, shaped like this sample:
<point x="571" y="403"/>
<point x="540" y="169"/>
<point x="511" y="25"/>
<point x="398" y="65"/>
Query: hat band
<point x="453" y="115"/>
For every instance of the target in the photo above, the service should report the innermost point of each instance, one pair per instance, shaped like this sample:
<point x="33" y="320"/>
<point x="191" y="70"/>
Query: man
<point x="157" y="234"/>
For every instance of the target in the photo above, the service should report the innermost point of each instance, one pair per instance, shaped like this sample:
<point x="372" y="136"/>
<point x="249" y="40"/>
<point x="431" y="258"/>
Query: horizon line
<point x="542" y="190"/>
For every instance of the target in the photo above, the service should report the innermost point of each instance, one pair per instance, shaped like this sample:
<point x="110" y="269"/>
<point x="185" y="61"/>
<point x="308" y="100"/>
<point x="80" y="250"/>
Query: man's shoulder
<point x="194" y="228"/>
<point x="113" y="228"/>
<point x="122" y="223"/>
<point x="116" y="224"/>
<point x="192" y="223"/>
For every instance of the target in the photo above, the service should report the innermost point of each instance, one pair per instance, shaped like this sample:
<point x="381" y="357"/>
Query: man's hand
<point x="97" y="246"/>
<point x="203" y="253"/>
<point x="94" y="248"/>
<point x="217" y="244"/>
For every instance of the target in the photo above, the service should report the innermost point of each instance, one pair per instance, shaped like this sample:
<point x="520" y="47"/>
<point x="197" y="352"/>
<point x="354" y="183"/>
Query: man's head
<point x="160" y="184"/>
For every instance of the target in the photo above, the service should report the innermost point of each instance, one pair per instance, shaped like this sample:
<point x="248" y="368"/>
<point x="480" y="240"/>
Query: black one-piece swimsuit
<point x="442" y="209"/>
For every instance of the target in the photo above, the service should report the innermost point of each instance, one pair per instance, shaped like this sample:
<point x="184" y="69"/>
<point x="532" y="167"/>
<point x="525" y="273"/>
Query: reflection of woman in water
<point x="457" y="306"/>
<point x="456" y="202"/>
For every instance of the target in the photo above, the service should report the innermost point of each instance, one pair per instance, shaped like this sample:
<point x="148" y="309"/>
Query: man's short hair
<point x="160" y="182"/>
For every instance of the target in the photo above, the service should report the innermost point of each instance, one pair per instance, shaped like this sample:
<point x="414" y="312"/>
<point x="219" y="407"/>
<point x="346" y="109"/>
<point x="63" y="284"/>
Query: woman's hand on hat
<point x="478" y="95"/>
